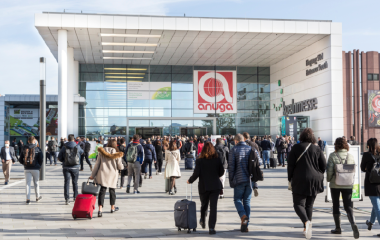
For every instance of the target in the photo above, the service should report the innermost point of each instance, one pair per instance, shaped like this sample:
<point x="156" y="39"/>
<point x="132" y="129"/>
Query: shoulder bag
<point x="374" y="175"/>
<point x="344" y="173"/>
<point x="290" y="183"/>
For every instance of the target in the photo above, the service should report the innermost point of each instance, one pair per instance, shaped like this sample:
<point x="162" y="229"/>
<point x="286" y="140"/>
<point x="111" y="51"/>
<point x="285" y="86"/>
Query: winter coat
<point x="279" y="148"/>
<point x="172" y="159"/>
<point x="107" y="166"/>
<point x="226" y="150"/>
<point x="290" y="145"/>
<point x="370" y="189"/>
<point x="190" y="147"/>
<point x="200" y="147"/>
<point x="307" y="174"/>
<point x="159" y="150"/>
<point x="38" y="157"/>
<point x="52" y="146"/>
<point x="149" y="152"/>
<point x="62" y="154"/>
<point x="238" y="164"/>
<point x="333" y="160"/>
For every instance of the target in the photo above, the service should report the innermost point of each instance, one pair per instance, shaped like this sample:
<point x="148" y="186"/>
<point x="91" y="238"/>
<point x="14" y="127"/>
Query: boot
<point x="337" y="229"/>
<point x="351" y="219"/>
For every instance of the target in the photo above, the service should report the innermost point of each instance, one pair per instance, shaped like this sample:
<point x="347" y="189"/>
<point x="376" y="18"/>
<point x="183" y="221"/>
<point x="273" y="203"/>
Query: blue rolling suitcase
<point x="185" y="213"/>
<point x="189" y="162"/>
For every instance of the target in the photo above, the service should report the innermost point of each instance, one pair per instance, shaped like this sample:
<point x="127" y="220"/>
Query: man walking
<point x="266" y="147"/>
<point x="52" y="149"/>
<point x="70" y="166"/>
<point x="86" y="147"/>
<point x="15" y="147"/>
<point x="134" y="153"/>
<point x="8" y="157"/>
<point x="239" y="179"/>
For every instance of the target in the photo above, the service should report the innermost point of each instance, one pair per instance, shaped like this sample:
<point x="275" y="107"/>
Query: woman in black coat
<point x="159" y="156"/>
<point x="372" y="190"/>
<point x="306" y="176"/>
<point x="209" y="169"/>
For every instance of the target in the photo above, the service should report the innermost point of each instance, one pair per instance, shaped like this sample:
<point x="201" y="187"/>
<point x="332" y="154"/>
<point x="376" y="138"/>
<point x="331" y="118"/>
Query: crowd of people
<point x="240" y="156"/>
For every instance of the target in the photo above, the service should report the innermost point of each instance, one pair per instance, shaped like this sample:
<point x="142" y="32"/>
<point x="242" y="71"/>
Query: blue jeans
<point x="266" y="156"/>
<point x="242" y="199"/>
<point x="52" y="154"/>
<point x="74" y="174"/>
<point x="281" y="158"/>
<point x="375" y="200"/>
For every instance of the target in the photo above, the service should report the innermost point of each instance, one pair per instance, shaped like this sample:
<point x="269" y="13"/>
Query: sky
<point x="21" y="46"/>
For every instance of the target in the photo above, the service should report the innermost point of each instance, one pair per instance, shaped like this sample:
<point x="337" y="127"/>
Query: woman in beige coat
<point x="172" y="170"/>
<point x="106" y="173"/>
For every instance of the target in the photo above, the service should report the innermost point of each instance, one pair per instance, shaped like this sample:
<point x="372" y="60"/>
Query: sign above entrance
<point x="302" y="106"/>
<point x="215" y="91"/>
<point x="312" y="61"/>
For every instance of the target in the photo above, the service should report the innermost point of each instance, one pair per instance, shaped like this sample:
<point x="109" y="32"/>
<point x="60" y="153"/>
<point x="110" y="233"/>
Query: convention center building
<point x="120" y="75"/>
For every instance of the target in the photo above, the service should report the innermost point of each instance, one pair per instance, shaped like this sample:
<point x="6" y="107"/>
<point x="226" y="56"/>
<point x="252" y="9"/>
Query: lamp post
<point x="43" y="115"/>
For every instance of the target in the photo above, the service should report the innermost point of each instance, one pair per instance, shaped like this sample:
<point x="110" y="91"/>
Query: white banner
<point x="213" y="139"/>
<point x="212" y="95"/>
<point x="152" y="90"/>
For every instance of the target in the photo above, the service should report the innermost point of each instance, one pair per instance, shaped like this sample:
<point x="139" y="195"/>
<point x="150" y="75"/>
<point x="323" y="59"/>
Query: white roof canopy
<point x="183" y="40"/>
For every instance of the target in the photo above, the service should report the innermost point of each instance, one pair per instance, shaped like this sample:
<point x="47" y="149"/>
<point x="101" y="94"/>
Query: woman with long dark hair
<point x="209" y="169"/>
<point x="172" y="170"/>
<point x="372" y="190"/>
<point x="106" y="173"/>
<point x="306" y="168"/>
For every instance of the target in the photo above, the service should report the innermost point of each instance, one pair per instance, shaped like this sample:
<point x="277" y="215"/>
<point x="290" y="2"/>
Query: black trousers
<point x="84" y="155"/>
<point x="212" y="197"/>
<point x="102" y="195"/>
<point x="159" y="165"/>
<point x="346" y="196"/>
<point x="303" y="205"/>
<point x="123" y="173"/>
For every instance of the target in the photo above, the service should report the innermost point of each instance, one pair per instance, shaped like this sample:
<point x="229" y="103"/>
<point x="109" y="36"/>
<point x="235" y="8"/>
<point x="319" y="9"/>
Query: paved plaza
<point x="150" y="214"/>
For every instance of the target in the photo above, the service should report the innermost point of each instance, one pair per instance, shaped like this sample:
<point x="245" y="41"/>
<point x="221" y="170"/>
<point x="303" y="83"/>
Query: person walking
<point x="223" y="152"/>
<point x="172" y="170"/>
<point x="32" y="158"/>
<point x="70" y="166"/>
<point x="149" y="157"/>
<point x="372" y="190"/>
<point x="15" y="147"/>
<point x="239" y="178"/>
<point x="266" y="148"/>
<point x="290" y="144"/>
<point x="52" y="149"/>
<point x="134" y="153"/>
<point x="8" y="157"/>
<point x="200" y="146"/>
<point x="306" y="168"/>
<point x="160" y="156"/>
<point x="209" y="169"/>
<point x="124" y="171"/>
<point x="86" y="147"/>
<point x="281" y="146"/>
<point x="20" y="146"/>
<point x="106" y="173"/>
<point x="341" y="156"/>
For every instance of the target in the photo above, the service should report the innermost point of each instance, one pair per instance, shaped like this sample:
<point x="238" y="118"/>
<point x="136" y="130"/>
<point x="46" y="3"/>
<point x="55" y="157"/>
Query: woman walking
<point x="172" y="170"/>
<point x="31" y="157"/>
<point x="124" y="172"/>
<point x="340" y="156"/>
<point x="106" y="173"/>
<point x="372" y="190"/>
<point x="209" y="169"/>
<point x="200" y="146"/>
<point x="306" y="168"/>
<point x="158" y="149"/>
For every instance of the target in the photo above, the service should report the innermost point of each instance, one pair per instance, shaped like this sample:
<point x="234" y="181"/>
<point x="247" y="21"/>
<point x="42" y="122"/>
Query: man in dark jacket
<point x="31" y="157"/>
<point x="239" y="178"/>
<point x="15" y="147"/>
<point x="86" y="147"/>
<point x="190" y="148"/>
<point x="223" y="152"/>
<point x="149" y="157"/>
<point x="266" y="147"/>
<point x="52" y="149"/>
<point x="7" y="157"/>
<point x="281" y="150"/>
<point x="70" y="170"/>
<point x="134" y="169"/>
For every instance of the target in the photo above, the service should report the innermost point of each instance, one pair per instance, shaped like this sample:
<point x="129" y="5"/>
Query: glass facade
<point x="114" y="92"/>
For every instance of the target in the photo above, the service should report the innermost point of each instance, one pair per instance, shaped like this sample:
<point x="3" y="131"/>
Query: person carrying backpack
<point x="339" y="185"/>
<point x="86" y="147"/>
<point x="70" y="157"/>
<point x="134" y="154"/>
<point x="52" y="149"/>
<point x="149" y="157"/>
<point x="223" y="153"/>
<point x="31" y="157"/>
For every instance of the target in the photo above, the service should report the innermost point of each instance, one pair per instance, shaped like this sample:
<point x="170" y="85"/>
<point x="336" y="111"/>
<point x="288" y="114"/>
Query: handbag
<point x="90" y="188"/>
<point x="374" y="176"/>
<point x="290" y="183"/>
<point x="344" y="173"/>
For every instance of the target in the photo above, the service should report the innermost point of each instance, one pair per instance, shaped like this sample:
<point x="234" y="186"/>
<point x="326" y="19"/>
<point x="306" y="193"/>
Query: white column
<point x="76" y="105"/>
<point x="70" y="90"/>
<point x="62" y="83"/>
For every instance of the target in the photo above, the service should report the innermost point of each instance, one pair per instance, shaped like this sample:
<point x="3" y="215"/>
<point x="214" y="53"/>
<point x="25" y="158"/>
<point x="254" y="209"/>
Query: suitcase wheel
<point x="179" y="229"/>
<point x="194" y="230"/>
<point x="189" y="231"/>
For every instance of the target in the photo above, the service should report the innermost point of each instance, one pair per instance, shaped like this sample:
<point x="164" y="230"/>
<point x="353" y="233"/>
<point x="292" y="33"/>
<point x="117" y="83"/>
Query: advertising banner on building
<point x="152" y="90"/>
<point x="373" y="108"/>
<point x="215" y="91"/>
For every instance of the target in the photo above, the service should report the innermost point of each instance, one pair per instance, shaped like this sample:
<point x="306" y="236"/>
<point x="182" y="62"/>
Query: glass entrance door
<point x="148" y="132"/>
<point x="191" y="131"/>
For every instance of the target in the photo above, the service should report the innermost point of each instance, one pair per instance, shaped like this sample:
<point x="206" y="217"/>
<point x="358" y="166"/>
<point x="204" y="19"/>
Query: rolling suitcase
<point x="272" y="162"/>
<point x="167" y="185"/>
<point x="189" y="163"/>
<point x="84" y="206"/>
<point x="185" y="213"/>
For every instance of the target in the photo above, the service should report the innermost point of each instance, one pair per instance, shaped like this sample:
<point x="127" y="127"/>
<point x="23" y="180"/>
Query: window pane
<point x="182" y="95"/>
<point x="369" y="76"/>
<point x="160" y="103"/>
<point x="182" y="113"/>
<point x="375" y="76"/>
<point x="182" y="104"/>
<point x="139" y="123"/>
<point x="160" y="112"/>
<point x="184" y="87"/>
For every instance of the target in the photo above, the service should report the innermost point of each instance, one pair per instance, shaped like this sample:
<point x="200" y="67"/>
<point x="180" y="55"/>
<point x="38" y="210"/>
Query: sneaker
<point x="67" y="202"/>
<point x="308" y="232"/>
<point x="27" y="202"/>
<point x="38" y="199"/>
<point x="156" y="173"/>
<point x="221" y="196"/>
<point x="369" y="224"/>
<point x="244" y="223"/>
<point x="145" y="176"/>
<point x="6" y="183"/>
<point x="150" y="177"/>
<point x="136" y="192"/>
<point x="160" y="173"/>
<point x="256" y="192"/>
<point x="128" y="188"/>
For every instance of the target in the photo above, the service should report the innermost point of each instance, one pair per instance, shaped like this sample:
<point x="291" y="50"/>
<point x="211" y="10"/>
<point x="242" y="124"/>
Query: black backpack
<point x="51" y="146"/>
<point x="284" y="145"/>
<point x="71" y="156"/>
<point x="374" y="176"/>
<point x="254" y="167"/>
<point x="87" y="147"/>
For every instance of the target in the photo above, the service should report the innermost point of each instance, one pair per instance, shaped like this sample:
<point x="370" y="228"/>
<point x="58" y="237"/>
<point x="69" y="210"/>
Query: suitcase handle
<point x="88" y="180"/>
<point x="191" y="191"/>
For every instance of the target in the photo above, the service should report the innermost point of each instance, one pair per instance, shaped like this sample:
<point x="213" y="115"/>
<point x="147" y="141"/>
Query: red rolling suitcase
<point x="84" y="206"/>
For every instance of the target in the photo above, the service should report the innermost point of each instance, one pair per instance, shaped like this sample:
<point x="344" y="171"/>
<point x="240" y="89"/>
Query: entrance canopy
<point x="163" y="40"/>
